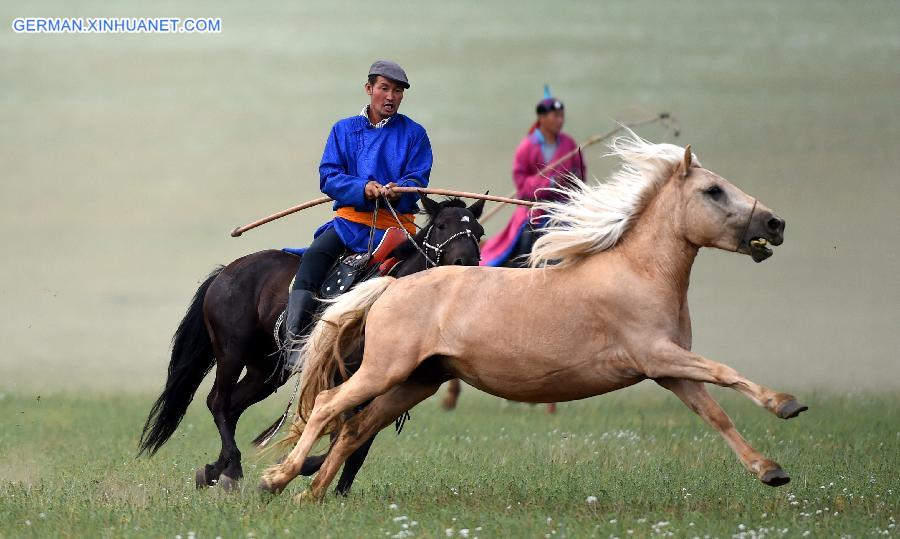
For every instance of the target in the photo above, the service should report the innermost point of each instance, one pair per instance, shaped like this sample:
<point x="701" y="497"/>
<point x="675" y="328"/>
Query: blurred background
<point x="126" y="160"/>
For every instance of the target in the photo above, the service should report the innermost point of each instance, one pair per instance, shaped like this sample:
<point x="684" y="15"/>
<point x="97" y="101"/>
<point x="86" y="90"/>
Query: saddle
<point x="352" y="268"/>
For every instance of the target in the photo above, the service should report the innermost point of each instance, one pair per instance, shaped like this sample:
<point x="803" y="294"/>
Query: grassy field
<point x="634" y="464"/>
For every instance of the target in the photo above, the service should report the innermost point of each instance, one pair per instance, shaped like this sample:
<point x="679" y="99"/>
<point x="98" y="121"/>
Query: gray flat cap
<point x="390" y="70"/>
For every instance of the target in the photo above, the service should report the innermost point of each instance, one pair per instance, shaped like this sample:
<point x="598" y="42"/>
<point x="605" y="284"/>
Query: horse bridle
<point x="747" y="227"/>
<point x="439" y="249"/>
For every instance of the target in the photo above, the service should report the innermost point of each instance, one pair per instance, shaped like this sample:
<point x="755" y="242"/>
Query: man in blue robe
<point x="365" y="156"/>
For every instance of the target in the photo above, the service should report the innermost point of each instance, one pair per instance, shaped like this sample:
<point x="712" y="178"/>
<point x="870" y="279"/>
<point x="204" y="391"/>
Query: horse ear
<point x="431" y="207"/>
<point x="688" y="157"/>
<point x="478" y="207"/>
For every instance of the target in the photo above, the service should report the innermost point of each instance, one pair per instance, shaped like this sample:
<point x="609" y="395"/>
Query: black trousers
<point x="317" y="260"/>
<point x="518" y="257"/>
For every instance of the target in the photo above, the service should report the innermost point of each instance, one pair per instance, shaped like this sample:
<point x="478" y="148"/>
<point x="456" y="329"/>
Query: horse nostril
<point x="775" y="224"/>
<point x="458" y="262"/>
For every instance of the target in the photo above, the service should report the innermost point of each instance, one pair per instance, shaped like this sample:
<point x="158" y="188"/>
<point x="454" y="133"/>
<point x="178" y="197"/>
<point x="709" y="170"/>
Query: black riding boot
<point x="300" y="311"/>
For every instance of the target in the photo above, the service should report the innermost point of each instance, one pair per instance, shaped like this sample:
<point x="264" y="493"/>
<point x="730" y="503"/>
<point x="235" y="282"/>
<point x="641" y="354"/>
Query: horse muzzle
<point x="764" y="229"/>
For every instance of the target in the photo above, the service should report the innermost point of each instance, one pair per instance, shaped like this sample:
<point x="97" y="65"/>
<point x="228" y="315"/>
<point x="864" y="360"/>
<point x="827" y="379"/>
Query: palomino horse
<point x="231" y="324"/>
<point x="624" y="251"/>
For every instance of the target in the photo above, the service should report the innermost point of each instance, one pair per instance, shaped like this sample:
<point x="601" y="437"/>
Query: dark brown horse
<point x="231" y="323"/>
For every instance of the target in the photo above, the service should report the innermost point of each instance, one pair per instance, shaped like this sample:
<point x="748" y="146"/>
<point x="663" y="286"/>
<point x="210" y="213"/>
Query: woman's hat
<point x="548" y="103"/>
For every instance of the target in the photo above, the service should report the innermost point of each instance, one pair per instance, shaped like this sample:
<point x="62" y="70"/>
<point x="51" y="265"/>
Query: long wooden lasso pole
<point x="434" y="191"/>
<point x="422" y="190"/>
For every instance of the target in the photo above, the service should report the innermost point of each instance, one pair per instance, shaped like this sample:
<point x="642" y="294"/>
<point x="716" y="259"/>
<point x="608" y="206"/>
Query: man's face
<point x="386" y="96"/>
<point x="552" y="122"/>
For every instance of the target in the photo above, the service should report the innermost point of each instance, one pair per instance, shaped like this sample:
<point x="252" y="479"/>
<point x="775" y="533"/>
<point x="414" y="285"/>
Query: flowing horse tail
<point x="192" y="359"/>
<point x="339" y="331"/>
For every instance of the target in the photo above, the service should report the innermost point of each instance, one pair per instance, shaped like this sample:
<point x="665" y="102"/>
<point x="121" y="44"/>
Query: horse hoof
<point x="775" y="477"/>
<point x="790" y="409"/>
<point x="226" y="483"/>
<point x="267" y="487"/>
<point x="447" y="404"/>
<point x="304" y="497"/>
<point x="200" y="477"/>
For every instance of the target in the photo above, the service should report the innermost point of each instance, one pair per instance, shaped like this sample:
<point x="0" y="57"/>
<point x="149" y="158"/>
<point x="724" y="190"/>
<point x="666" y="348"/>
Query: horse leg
<point x="551" y="407"/>
<point x="353" y="464"/>
<point x="453" y="389"/>
<point x="359" y="431"/>
<point x="228" y="370"/>
<point x="362" y="386"/>
<point x="255" y="386"/>
<point x="672" y="361"/>
<point x="695" y="396"/>
<point x="312" y="464"/>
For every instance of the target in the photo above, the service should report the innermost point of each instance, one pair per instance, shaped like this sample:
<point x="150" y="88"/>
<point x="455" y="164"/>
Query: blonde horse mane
<point x="592" y="218"/>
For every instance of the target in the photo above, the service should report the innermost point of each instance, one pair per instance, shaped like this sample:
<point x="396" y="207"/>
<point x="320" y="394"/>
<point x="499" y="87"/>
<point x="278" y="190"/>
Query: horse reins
<point x="438" y="249"/>
<point x="372" y="230"/>
<point x="408" y="235"/>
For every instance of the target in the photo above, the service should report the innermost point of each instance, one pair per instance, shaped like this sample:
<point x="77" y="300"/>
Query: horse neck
<point x="415" y="262"/>
<point x="656" y="245"/>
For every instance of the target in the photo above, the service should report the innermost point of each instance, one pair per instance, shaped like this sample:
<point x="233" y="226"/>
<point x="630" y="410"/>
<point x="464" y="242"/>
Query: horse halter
<point x="439" y="249"/>
<point x="747" y="227"/>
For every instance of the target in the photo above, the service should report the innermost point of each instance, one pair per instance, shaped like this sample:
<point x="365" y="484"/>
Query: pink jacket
<point x="527" y="164"/>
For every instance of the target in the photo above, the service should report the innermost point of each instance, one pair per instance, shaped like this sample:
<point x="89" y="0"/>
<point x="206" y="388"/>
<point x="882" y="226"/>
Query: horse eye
<point x="714" y="191"/>
<point x="441" y="226"/>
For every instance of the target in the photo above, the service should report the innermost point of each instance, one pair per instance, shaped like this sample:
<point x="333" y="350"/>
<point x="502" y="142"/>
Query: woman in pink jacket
<point x="544" y="145"/>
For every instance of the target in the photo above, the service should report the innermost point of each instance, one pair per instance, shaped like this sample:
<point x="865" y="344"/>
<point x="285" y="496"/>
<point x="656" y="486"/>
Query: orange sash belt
<point x="383" y="221"/>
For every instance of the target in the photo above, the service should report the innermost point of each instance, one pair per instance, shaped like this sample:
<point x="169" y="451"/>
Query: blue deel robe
<point x="357" y="153"/>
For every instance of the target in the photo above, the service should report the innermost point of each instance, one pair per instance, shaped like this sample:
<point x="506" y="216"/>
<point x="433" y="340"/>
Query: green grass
<point x="495" y="468"/>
